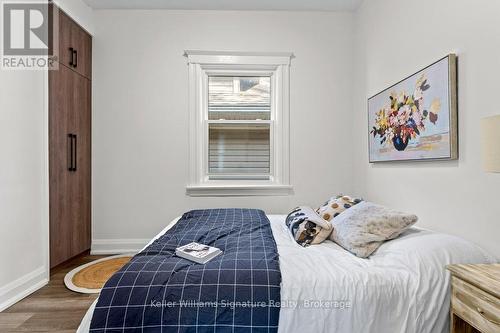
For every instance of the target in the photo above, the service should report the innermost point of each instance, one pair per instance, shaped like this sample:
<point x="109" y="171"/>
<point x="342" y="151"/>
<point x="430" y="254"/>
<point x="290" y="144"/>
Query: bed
<point x="402" y="287"/>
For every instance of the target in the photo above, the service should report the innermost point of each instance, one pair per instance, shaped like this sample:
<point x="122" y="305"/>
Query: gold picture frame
<point x="416" y="119"/>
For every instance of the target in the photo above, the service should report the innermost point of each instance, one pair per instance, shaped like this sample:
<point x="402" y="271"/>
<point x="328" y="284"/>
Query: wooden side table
<point x="475" y="298"/>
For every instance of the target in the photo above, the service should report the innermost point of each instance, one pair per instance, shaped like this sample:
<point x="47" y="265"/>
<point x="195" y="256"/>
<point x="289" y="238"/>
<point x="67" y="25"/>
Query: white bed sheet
<point x="402" y="287"/>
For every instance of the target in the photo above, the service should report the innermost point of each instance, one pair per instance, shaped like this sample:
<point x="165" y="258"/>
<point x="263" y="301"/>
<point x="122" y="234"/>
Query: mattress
<point x="402" y="287"/>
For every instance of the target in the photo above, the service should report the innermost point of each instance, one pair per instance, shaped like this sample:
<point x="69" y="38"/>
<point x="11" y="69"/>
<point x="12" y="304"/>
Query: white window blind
<point x="239" y="125"/>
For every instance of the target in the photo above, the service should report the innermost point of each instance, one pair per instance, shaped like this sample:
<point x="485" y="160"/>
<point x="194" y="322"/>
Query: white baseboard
<point x="117" y="246"/>
<point x="18" y="289"/>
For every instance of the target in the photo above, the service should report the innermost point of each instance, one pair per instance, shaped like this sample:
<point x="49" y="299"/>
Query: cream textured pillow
<point x="307" y="227"/>
<point x="364" y="227"/>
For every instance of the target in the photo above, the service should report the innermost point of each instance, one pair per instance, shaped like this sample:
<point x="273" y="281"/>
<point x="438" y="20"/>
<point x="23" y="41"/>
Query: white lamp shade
<point x="490" y="130"/>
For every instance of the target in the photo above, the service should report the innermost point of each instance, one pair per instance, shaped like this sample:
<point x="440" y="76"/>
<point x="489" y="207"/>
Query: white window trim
<point x="204" y="63"/>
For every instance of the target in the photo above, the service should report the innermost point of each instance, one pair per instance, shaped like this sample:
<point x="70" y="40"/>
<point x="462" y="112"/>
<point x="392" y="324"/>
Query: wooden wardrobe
<point x="70" y="143"/>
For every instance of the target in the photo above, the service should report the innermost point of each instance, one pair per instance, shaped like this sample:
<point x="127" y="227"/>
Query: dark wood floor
<point x="54" y="308"/>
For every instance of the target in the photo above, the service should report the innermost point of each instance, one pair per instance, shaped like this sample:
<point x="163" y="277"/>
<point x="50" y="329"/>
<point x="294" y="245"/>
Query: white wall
<point x="396" y="38"/>
<point x="23" y="179"/>
<point x="140" y="113"/>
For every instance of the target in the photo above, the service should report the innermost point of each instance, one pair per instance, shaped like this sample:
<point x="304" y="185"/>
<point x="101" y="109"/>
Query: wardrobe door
<point x="75" y="46"/>
<point x="80" y="190"/>
<point x="61" y="86"/>
<point x="83" y="56"/>
<point x="66" y="44"/>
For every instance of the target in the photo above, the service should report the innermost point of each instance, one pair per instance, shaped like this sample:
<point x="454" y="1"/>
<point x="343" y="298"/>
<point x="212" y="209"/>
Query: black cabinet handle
<point x="72" y="53"/>
<point x="75" y="151"/>
<point x="70" y="152"/>
<point x="75" y="63"/>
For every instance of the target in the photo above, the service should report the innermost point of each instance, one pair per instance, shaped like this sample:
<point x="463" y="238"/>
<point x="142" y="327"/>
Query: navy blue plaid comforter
<point x="238" y="291"/>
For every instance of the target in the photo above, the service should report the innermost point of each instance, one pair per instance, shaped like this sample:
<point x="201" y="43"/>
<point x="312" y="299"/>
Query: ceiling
<point x="294" y="5"/>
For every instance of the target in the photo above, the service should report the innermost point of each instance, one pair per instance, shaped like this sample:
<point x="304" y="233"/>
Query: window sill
<point x="238" y="190"/>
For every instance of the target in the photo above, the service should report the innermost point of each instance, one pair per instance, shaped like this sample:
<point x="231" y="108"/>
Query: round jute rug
<point x="91" y="277"/>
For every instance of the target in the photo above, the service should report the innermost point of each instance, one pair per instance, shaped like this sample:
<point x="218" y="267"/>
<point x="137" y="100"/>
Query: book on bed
<point x="197" y="252"/>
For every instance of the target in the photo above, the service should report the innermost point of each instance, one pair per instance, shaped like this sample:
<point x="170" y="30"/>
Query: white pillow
<point x="362" y="228"/>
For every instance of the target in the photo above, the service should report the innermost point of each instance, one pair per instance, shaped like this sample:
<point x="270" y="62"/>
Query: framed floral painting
<point x="416" y="118"/>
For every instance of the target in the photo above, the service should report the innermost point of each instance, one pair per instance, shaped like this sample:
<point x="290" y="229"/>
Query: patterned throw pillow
<point x="362" y="229"/>
<point x="307" y="227"/>
<point x="336" y="205"/>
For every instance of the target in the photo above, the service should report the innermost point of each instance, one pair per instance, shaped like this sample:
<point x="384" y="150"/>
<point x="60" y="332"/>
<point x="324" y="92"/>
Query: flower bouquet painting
<point x="416" y="119"/>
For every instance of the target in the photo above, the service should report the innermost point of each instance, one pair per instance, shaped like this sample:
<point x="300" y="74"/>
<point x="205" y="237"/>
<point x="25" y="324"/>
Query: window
<point x="238" y="124"/>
